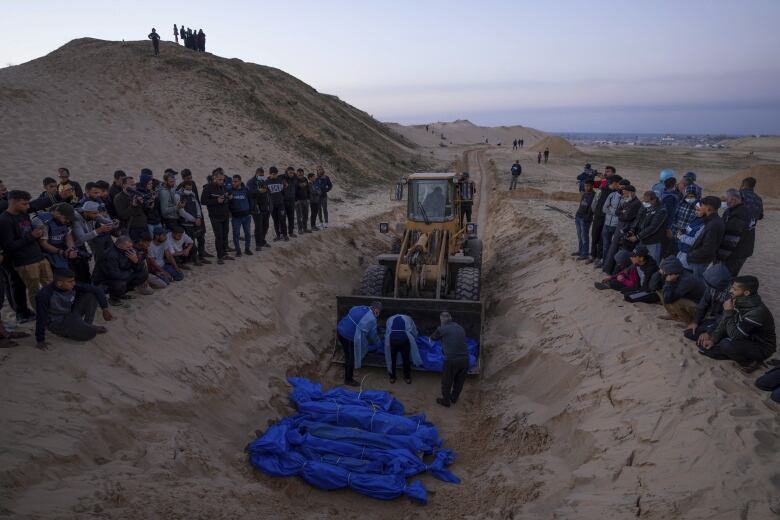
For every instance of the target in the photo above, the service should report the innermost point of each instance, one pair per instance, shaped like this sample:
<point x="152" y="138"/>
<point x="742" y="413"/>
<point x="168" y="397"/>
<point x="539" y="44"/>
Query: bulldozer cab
<point x="431" y="200"/>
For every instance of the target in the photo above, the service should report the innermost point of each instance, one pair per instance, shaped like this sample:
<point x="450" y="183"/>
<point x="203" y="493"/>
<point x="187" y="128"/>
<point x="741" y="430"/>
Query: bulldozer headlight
<point x="384" y="227"/>
<point x="471" y="228"/>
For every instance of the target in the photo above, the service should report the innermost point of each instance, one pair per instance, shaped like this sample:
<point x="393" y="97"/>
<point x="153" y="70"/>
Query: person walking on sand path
<point x="539" y="158"/>
<point x="176" y="33"/>
<point x="521" y="143"/>
<point x="514" y="144"/>
<point x="516" y="171"/>
<point x="546" y="154"/>
<point x="155" y="41"/>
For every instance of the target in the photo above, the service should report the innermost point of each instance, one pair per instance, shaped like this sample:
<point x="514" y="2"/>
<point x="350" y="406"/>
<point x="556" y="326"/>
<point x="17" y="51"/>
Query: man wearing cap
<point x="746" y="330"/>
<point x="91" y="227"/>
<point x="634" y="278"/>
<point x="705" y="248"/>
<point x="678" y="290"/>
<point x="357" y="331"/>
<point x="690" y="177"/>
<point x="466" y="192"/>
<point x="660" y="186"/>
<point x="456" y="359"/>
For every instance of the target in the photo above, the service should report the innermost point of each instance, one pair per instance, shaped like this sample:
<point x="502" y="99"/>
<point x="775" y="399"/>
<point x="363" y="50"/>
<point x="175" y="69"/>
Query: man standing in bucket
<point x="356" y="331"/>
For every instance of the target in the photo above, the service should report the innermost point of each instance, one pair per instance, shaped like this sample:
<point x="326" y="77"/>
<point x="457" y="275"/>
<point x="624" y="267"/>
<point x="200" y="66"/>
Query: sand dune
<point x="557" y="146"/>
<point x="766" y="175"/>
<point x="97" y="106"/>
<point x="464" y="132"/>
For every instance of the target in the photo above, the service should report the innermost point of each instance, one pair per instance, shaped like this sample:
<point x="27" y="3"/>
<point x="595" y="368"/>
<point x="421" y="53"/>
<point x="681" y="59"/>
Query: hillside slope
<point x="463" y="131"/>
<point x="95" y="106"/>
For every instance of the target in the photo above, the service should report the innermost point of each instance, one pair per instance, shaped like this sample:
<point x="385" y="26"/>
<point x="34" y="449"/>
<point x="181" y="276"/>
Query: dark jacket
<point x="584" y="210"/>
<point x="705" y="249"/>
<point x="716" y="291"/>
<point x="324" y="184"/>
<point x="115" y="266"/>
<point x="314" y="193"/>
<point x="739" y="238"/>
<point x="240" y="203"/>
<point x="210" y="198"/>
<point x="650" y="224"/>
<point x="628" y="211"/>
<point x="646" y="273"/>
<point x="453" y="340"/>
<point x="276" y="190"/>
<point x="130" y="216"/>
<point x="290" y="188"/>
<point x="686" y="286"/>
<point x="43" y="303"/>
<point x="302" y="191"/>
<point x="16" y="240"/>
<point x="258" y="202"/>
<point x="750" y="319"/>
<point x="598" y="211"/>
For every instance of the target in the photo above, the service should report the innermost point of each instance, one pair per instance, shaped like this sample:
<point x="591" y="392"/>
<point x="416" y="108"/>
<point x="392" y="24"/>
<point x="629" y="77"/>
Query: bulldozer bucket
<point x="424" y="312"/>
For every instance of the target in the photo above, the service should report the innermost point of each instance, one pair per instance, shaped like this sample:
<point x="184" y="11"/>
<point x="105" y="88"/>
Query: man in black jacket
<point x="649" y="228"/>
<point x="704" y="250"/>
<point x="302" y="195"/>
<point x="325" y="185"/>
<point x="78" y="193"/>
<point x="120" y="270"/>
<point x="216" y="198"/>
<point x="626" y="213"/>
<point x="597" y="249"/>
<point x="67" y="308"/>
<point x="739" y="237"/>
<point x="583" y="219"/>
<point x="20" y="242"/>
<point x="276" y="185"/>
<point x="260" y="207"/>
<point x="677" y="289"/>
<point x="289" y="199"/>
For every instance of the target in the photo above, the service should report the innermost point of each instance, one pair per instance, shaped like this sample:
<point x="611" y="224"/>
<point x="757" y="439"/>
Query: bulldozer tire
<point x="377" y="281"/>
<point x="395" y="248"/>
<point x="474" y="250"/>
<point x="467" y="284"/>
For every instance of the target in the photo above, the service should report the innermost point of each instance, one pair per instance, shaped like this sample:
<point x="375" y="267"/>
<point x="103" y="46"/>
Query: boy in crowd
<point x="182" y="247"/>
<point x="161" y="252"/>
<point x="240" y="217"/>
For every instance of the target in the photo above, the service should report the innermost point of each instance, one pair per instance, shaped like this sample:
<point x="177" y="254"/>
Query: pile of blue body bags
<point x="361" y="440"/>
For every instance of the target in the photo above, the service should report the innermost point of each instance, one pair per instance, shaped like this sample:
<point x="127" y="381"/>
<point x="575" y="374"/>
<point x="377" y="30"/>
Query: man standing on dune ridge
<point x="155" y="41"/>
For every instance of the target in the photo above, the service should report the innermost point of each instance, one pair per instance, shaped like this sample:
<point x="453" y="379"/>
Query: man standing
<point x="183" y="35"/>
<point x="290" y="187"/>
<point x="516" y="171"/>
<point x="302" y="196"/>
<point x="356" y="331"/>
<point x="610" y="211"/>
<point x="191" y="213"/>
<point x="752" y="201"/>
<point x="746" y="331"/>
<point x="626" y="214"/>
<point x="466" y="192"/>
<point x="514" y="144"/>
<point x="129" y="206"/>
<point x="276" y="186"/>
<point x="609" y="187"/>
<point x="240" y="217"/>
<point x="456" y="359"/>
<point x="19" y="240"/>
<point x="739" y="238"/>
<point x="67" y="308"/>
<point x="649" y="229"/>
<point x="546" y="154"/>
<point x="325" y="186"/>
<point x="260" y="207"/>
<point x="76" y="195"/>
<point x="583" y="219"/>
<point x="314" y="201"/>
<point x="201" y="41"/>
<point x="155" y="41"/>
<point x="113" y="191"/>
<point x="169" y="201"/>
<point x="216" y="198"/>
<point x="176" y="33"/>
<point x="401" y="338"/>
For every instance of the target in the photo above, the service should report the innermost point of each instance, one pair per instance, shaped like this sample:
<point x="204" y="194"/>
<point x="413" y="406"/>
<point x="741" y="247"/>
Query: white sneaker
<point x="325" y="226"/>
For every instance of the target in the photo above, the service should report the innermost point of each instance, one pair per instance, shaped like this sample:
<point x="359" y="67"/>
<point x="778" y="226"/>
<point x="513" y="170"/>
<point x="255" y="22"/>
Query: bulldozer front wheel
<point x="474" y="250"/>
<point x="467" y="284"/>
<point x="377" y="281"/>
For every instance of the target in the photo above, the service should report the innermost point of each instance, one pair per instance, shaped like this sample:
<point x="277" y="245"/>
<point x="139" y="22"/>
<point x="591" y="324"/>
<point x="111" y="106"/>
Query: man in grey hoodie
<point x="456" y="359"/>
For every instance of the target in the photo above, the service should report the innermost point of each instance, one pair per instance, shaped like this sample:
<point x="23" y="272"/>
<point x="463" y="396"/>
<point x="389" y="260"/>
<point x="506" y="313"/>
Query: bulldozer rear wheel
<point x="467" y="284"/>
<point x="377" y="281"/>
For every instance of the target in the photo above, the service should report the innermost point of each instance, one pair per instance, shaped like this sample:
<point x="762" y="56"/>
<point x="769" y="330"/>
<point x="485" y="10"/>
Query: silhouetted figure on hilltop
<point x="190" y="39"/>
<point x="155" y="41"/>
<point x="183" y="35"/>
<point x="201" y="41"/>
<point x="176" y="33"/>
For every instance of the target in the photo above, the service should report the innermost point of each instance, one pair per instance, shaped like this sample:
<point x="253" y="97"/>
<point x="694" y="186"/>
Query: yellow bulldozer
<point x="434" y="264"/>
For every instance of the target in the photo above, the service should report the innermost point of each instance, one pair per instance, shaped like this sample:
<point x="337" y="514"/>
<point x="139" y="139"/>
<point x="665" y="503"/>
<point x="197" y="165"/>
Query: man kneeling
<point x="67" y="309"/>
<point x="746" y="331"/>
<point x="679" y="290"/>
<point x="120" y="270"/>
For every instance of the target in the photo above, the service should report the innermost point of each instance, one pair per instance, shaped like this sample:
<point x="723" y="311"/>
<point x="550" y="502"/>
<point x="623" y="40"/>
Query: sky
<point x="688" y="66"/>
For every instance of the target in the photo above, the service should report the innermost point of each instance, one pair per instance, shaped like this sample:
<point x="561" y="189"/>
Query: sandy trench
<point x="586" y="408"/>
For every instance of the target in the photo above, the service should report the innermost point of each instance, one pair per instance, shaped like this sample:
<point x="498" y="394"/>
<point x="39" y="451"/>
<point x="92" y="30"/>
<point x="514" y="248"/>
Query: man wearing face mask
<point x="739" y="238"/>
<point x="704" y="250"/>
<point x="685" y="213"/>
<point x="649" y="228"/>
<point x="746" y="330"/>
<point x="626" y="214"/>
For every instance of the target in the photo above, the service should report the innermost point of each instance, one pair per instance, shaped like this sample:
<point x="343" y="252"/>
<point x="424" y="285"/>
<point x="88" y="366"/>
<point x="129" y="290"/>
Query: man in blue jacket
<point x="356" y="331"/>
<point x="240" y="216"/>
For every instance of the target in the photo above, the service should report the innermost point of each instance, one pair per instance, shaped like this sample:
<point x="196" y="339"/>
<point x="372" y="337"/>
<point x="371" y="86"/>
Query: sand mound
<point x="767" y="176"/>
<point x="96" y="106"/>
<point x="765" y="143"/>
<point x="557" y="146"/>
<point x="463" y="131"/>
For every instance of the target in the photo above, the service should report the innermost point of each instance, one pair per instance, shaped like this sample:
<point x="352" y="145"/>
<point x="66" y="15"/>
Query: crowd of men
<point x="193" y="40"/>
<point x="672" y="245"/>
<point x="71" y="250"/>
